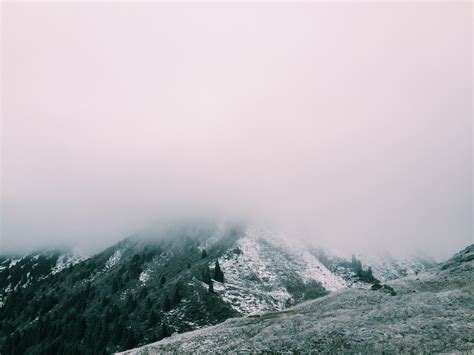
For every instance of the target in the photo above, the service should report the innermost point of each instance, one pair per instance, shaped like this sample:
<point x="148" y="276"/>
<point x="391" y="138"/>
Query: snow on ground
<point x="65" y="261"/>
<point x="299" y="258"/>
<point x="13" y="262"/>
<point x="432" y="312"/>
<point x="114" y="259"/>
<point x="144" y="276"/>
<point x="261" y="266"/>
<point x="386" y="267"/>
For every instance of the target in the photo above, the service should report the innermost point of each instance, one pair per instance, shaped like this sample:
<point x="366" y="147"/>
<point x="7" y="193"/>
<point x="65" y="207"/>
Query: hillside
<point x="172" y="279"/>
<point x="23" y="271"/>
<point x="154" y="284"/>
<point x="429" y="312"/>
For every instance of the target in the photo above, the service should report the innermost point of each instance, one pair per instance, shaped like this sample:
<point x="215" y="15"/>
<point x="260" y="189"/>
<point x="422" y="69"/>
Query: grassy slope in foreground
<point x="432" y="312"/>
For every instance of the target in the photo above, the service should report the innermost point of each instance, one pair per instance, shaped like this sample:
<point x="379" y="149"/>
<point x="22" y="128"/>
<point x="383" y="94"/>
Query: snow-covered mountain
<point x="22" y="271"/>
<point x="265" y="273"/>
<point x="432" y="312"/>
<point x="165" y="281"/>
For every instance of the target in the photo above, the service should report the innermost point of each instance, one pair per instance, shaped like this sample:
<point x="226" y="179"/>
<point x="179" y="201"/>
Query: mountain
<point x="172" y="279"/>
<point x="154" y="284"/>
<point x="383" y="267"/>
<point x="23" y="271"/>
<point x="432" y="311"/>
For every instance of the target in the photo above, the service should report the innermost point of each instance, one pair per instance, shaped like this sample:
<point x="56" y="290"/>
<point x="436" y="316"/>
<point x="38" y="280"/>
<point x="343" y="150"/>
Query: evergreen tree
<point x="118" y="333"/>
<point x="177" y="295"/>
<point x="218" y="274"/>
<point x="148" y="303"/>
<point x="143" y="292"/>
<point x="369" y="272"/>
<point x="356" y="265"/>
<point x="131" y="303"/>
<point x="206" y="275"/>
<point x="130" y="340"/>
<point x="164" y="331"/>
<point x="166" y="304"/>
<point x="203" y="254"/>
<point x="162" y="280"/>
<point x="81" y="328"/>
<point x="211" y="286"/>
<point x="153" y="319"/>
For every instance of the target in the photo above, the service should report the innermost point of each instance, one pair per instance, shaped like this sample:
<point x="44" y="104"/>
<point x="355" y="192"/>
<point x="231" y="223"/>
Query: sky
<point x="349" y="124"/>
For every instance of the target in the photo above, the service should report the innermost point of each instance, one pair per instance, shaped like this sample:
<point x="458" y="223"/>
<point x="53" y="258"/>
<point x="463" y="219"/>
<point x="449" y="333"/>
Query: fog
<point x="347" y="123"/>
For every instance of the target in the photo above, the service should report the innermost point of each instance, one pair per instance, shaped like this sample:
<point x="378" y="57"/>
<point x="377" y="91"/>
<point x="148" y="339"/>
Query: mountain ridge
<point x="432" y="312"/>
<point x="153" y="284"/>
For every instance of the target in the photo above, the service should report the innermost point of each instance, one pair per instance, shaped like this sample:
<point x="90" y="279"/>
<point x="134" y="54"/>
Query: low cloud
<point x="350" y="125"/>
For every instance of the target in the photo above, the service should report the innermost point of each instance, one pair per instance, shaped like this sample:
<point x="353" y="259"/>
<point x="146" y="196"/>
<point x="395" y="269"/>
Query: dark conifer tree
<point x="81" y="328"/>
<point x="153" y="319"/>
<point x="203" y="254"/>
<point x="206" y="275"/>
<point x="218" y="274"/>
<point x="166" y="304"/>
<point x="211" y="286"/>
<point x="148" y="303"/>
<point x="143" y="292"/>
<point x="162" y="280"/>
<point x="164" y="331"/>
<point x="177" y="295"/>
<point x="130" y="340"/>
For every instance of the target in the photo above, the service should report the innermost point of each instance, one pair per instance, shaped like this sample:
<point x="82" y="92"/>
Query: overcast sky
<point x="351" y="123"/>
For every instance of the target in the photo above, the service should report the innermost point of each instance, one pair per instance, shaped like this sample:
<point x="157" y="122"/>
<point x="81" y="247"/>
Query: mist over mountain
<point x="359" y="141"/>
<point x="236" y="177"/>
<point x="173" y="279"/>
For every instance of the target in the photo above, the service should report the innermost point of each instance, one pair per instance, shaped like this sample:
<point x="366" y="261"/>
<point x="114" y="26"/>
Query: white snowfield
<point x="259" y="268"/>
<point x="68" y="260"/>
<point x="432" y="312"/>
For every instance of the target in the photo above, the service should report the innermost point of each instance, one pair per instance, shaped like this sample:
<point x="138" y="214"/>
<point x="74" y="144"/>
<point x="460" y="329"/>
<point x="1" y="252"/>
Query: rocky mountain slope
<point x="430" y="312"/>
<point x="154" y="284"/>
<point x="172" y="279"/>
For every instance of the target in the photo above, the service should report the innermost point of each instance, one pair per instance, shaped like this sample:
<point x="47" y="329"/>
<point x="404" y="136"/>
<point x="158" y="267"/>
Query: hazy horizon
<point x="349" y="124"/>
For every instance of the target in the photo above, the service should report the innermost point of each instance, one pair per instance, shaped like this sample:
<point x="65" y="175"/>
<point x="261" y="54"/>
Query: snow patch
<point x="65" y="261"/>
<point x="113" y="260"/>
<point x="144" y="276"/>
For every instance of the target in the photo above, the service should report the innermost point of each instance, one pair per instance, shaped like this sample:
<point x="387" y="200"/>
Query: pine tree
<point x="206" y="275"/>
<point x="164" y="331"/>
<point x="118" y="332"/>
<point x="153" y="319"/>
<point x="203" y="254"/>
<point x="177" y="295"/>
<point x="166" y="304"/>
<point x="131" y="303"/>
<point x="81" y="329"/>
<point x="211" y="286"/>
<point x="356" y="265"/>
<point x="130" y="340"/>
<point x="369" y="272"/>
<point x="148" y="303"/>
<point x="218" y="274"/>
<point x="162" y="280"/>
<point x="143" y="292"/>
